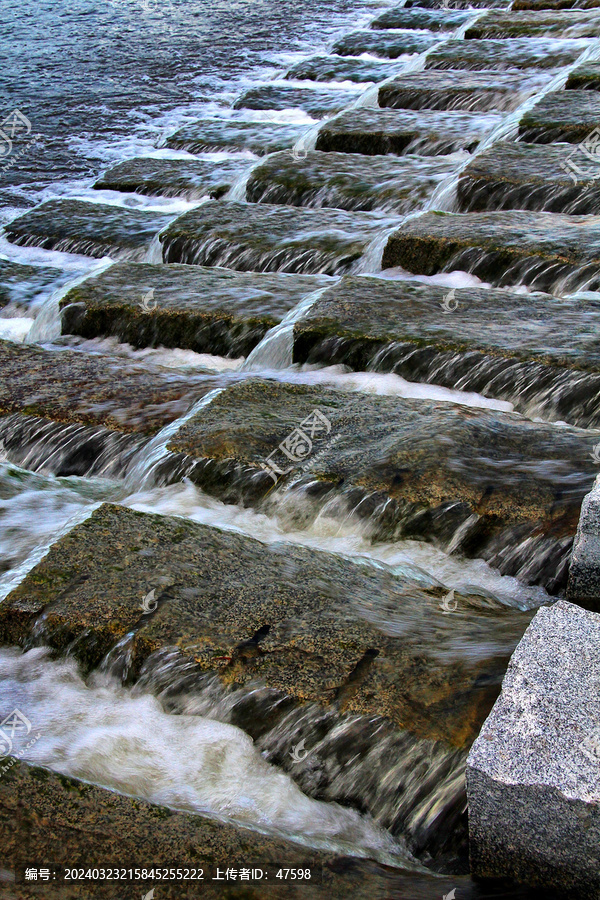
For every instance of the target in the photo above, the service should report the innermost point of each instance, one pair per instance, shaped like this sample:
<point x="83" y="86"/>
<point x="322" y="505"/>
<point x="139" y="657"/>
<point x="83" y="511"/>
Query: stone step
<point x="569" y="116"/>
<point x="455" y="4"/>
<point x="316" y="102"/>
<point x="497" y="55"/>
<point x="225" y="134"/>
<point x="206" y="310"/>
<point x="513" y="24"/>
<point x="308" y="626"/>
<point x="555" y="4"/>
<point x="343" y="68"/>
<point x="425" y="20"/>
<point x="386" y="45"/>
<point x="533" y="772"/>
<point x="346" y="181"/>
<point x="91" y="229"/>
<point x="423" y="470"/>
<point x="263" y="238"/>
<point x="584" y="77"/>
<point x="542" y="353"/>
<point x="449" y="90"/>
<point x="546" y="251"/>
<point x="425" y="132"/>
<point x="190" y="178"/>
<point x="556" y="178"/>
<point x="23" y="285"/>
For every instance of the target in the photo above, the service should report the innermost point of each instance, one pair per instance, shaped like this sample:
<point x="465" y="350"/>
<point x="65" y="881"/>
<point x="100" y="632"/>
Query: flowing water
<point x="105" y="81"/>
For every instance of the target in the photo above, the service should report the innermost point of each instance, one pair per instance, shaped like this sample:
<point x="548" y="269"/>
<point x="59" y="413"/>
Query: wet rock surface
<point x="381" y="131"/>
<point x="526" y="176"/>
<point x="207" y="310"/>
<point x="542" y="250"/>
<point x="316" y="102"/>
<point x="469" y="91"/>
<point x="561" y="116"/>
<point x="339" y="68"/>
<point x="380" y="43"/>
<point x="422" y="19"/>
<point x="346" y="181"/>
<point x="517" y="53"/>
<point x="585" y="77"/>
<point x="188" y="178"/>
<point x="264" y="238"/>
<point x="92" y="229"/>
<point x="224" y="134"/>
<point x="22" y="285"/>
<point x="535" y="24"/>
<point x="532" y="775"/>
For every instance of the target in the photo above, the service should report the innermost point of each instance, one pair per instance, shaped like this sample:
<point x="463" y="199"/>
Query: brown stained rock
<point x="308" y="625"/>
<point x="207" y="310"/>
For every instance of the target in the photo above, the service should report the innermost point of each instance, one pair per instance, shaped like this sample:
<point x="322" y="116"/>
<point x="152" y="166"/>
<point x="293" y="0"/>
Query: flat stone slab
<point x="208" y="135"/>
<point x="584" y="77"/>
<point x="546" y="251"/>
<point x="206" y="310"/>
<point x="263" y="238"/>
<point x="410" y="468"/>
<point x="584" y="574"/>
<point x="190" y="178"/>
<point x="543" y="352"/>
<point x="22" y="285"/>
<point x="562" y="116"/>
<point x="301" y="622"/>
<point x="512" y="24"/>
<point x="343" y="68"/>
<point x="449" y="90"/>
<point x="426" y="132"/>
<point x="317" y="102"/>
<point x="533" y="776"/>
<point x="553" y="178"/>
<point x="556" y="4"/>
<point x="92" y="229"/>
<point x="517" y="53"/>
<point x="454" y="4"/>
<point x="386" y="45"/>
<point x="425" y="20"/>
<point x="346" y="181"/>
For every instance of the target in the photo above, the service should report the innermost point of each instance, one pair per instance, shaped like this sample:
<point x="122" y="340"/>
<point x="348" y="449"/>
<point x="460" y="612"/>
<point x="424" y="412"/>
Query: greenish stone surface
<point x="517" y="53"/>
<point x="380" y="43"/>
<point x="317" y="102"/>
<point x="469" y="91"/>
<point x="343" y="68"/>
<point x="188" y="178"/>
<point x="515" y="24"/>
<point x="230" y="134"/>
<point x="566" y="116"/>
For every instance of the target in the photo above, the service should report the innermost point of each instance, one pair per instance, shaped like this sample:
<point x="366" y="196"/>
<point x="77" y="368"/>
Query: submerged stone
<point x="549" y="252"/>
<point x="585" y="77"/>
<point x="472" y="91"/>
<point x="23" y="285"/>
<point x="92" y="229"/>
<point x="437" y="20"/>
<point x="343" y="68"/>
<point x="380" y="131"/>
<point x="229" y="134"/>
<point x="410" y="468"/>
<point x="346" y="181"/>
<point x="533" y="775"/>
<point x="513" y="24"/>
<point x="263" y="238"/>
<point x="206" y="310"/>
<point x="518" y="53"/>
<point x="570" y="116"/>
<point x="314" y="101"/>
<point x="556" y="178"/>
<point x="191" y="178"/>
<point x="584" y="573"/>
<point x="387" y="45"/>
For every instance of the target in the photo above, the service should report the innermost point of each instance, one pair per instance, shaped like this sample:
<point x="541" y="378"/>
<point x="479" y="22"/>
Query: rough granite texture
<point x="584" y="574"/>
<point x="533" y="774"/>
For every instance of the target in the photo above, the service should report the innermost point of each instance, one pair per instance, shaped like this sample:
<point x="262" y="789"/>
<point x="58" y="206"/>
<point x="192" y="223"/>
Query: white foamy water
<point x="104" y="734"/>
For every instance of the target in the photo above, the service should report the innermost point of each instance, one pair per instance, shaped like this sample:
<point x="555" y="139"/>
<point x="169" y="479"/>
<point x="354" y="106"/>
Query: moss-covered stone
<point x="389" y="46"/>
<point x="556" y="4"/>
<point x="526" y="176"/>
<point x="346" y="181"/>
<point x="93" y="229"/>
<point x="514" y="24"/>
<point x="544" y="250"/>
<point x="314" y="101"/>
<point x="207" y="310"/>
<point x="569" y="116"/>
<point x="229" y="134"/>
<point x="191" y="178"/>
<point x="380" y="131"/>
<point x="471" y="91"/>
<point x="343" y="68"/>
<point x="264" y="238"/>
<point x="424" y="20"/>
<point x="585" y="77"/>
<point x="517" y="53"/>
